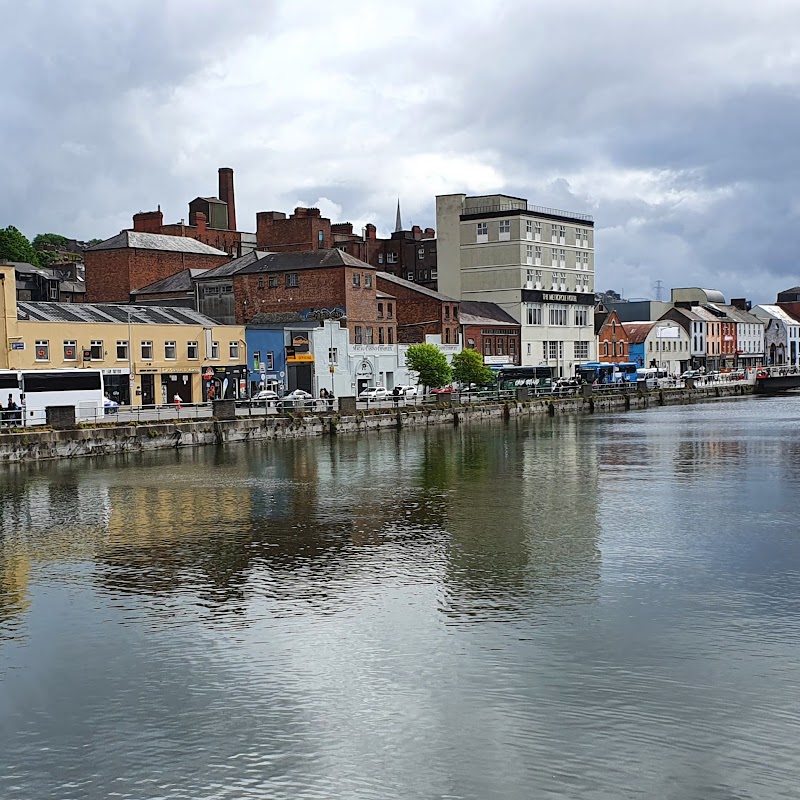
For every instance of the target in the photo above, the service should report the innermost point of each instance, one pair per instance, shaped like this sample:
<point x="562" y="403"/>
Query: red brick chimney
<point x="148" y="221"/>
<point x="371" y="231"/>
<point x="417" y="231"/>
<point x="430" y="233"/>
<point x="226" y="195"/>
<point x="200" y="221"/>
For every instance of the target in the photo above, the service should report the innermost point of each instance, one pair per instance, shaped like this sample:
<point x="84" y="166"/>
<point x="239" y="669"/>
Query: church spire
<point x="398" y="225"/>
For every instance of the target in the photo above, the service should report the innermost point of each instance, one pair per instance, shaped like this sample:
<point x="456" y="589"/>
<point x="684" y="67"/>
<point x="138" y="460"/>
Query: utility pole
<point x="659" y="289"/>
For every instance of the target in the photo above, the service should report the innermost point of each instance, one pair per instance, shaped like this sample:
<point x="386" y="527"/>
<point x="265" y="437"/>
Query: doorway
<point x="148" y="390"/>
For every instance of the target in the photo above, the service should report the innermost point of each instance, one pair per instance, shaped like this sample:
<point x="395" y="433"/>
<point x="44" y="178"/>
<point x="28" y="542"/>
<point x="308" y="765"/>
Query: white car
<point x="298" y="397"/>
<point x="405" y="390"/>
<point x="266" y="396"/>
<point x="374" y="393"/>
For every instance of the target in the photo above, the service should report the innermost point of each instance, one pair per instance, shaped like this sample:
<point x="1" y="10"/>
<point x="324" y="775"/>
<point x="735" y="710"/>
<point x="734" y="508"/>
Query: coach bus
<point x="532" y="378"/>
<point x="33" y="390"/>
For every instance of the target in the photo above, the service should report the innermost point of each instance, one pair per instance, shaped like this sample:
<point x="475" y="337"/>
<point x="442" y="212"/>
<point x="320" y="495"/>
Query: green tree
<point x="47" y="245"/>
<point x="468" y="367"/>
<point x="14" y="246"/>
<point x="430" y="363"/>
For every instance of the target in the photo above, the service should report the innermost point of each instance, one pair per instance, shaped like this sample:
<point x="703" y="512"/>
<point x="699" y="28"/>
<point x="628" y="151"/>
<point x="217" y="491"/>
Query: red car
<point x="443" y="390"/>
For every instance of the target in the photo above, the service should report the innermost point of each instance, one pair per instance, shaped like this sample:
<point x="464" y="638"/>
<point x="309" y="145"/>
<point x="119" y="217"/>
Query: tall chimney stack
<point x="226" y="195"/>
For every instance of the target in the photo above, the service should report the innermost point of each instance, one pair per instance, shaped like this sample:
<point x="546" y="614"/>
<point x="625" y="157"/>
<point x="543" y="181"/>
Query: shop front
<point x="177" y="384"/>
<point x="225" y="383"/>
<point x="117" y="385"/>
<point x="300" y="363"/>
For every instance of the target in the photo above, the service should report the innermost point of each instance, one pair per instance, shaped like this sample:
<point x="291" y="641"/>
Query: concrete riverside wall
<point x="38" y="444"/>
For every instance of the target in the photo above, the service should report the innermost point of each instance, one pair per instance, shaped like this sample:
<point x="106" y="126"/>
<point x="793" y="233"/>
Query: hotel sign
<point x="537" y="296"/>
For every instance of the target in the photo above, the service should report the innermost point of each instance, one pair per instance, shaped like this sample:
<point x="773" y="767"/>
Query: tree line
<point x="41" y="252"/>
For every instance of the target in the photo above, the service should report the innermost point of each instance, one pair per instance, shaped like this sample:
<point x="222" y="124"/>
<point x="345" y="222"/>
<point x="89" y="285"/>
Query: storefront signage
<point x="115" y="371"/>
<point x="300" y="358"/>
<point x="17" y="345"/>
<point x="364" y="369"/>
<point x="299" y="341"/>
<point x="537" y="296"/>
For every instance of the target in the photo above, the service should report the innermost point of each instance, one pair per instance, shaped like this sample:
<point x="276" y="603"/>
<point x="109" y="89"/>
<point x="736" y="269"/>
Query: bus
<point x="602" y="373"/>
<point x="532" y="378"/>
<point x="33" y="390"/>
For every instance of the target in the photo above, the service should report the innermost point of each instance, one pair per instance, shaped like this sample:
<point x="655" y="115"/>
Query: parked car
<point x="443" y="390"/>
<point x="111" y="406"/>
<point x="405" y="390"/>
<point x="373" y="393"/>
<point x="298" y="397"/>
<point x="267" y="396"/>
<point x="691" y="373"/>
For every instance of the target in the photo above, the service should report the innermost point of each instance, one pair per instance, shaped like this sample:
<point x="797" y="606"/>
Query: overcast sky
<point x="676" y="124"/>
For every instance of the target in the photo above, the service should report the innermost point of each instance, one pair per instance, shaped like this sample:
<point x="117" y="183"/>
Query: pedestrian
<point x="177" y="400"/>
<point x="212" y="392"/>
<point x="396" y="395"/>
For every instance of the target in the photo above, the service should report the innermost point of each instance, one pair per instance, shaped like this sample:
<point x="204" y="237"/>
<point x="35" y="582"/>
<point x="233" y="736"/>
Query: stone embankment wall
<point x="38" y="444"/>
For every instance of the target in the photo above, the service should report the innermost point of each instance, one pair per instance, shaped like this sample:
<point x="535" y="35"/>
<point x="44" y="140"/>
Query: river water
<point x="596" y="607"/>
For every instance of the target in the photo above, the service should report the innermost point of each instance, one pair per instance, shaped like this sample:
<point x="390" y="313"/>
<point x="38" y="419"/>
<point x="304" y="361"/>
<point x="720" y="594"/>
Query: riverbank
<point x="44" y="444"/>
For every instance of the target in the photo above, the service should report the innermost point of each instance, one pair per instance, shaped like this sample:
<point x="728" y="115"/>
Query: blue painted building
<point x="267" y="356"/>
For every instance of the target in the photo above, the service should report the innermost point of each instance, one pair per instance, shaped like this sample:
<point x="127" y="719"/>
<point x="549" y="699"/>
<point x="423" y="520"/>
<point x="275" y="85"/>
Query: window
<point x="42" y="349"/>
<point x="471" y="343"/>
<point x="54" y="292"/>
<point x="357" y="334"/>
<point x="500" y="347"/>
<point x="380" y="258"/>
<point x="96" y="350"/>
<point x="505" y="230"/>
<point x="333" y="356"/>
<point x="356" y="280"/>
<point x="562" y="234"/>
<point x="320" y="239"/>
<point x="585" y="262"/>
<point x="380" y="310"/>
<point x="529" y="254"/>
<point x="581" y="351"/>
<point x="529" y="229"/>
<point x="193" y="352"/>
<point x="512" y="347"/>
<point x="562" y="257"/>
<point x="544" y="350"/>
<point x="447" y="335"/>
<point x="537" y="278"/>
<point x="613" y="348"/>
<point x="214" y="350"/>
<point x="70" y="350"/>
<point x="261" y="282"/>
<point x="487" y="347"/>
<point x="529" y="278"/>
<point x="390" y="335"/>
<point x="389" y="310"/>
<point x="529" y="348"/>
<point x="147" y="351"/>
<point x="482" y="230"/>
<point x="553" y="233"/>
<point x="537" y="235"/>
<point x="291" y="280"/>
<point x="270" y="360"/>
<point x="578" y="237"/>
<point x="122" y="351"/>
<point x="369" y="335"/>
<point x="554" y="257"/>
<point x="558" y="315"/>
<point x="273" y="281"/>
<point x="537" y="255"/>
<point x="534" y="314"/>
<point x="421" y="253"/>
<point x="233" y="351"/>
<point x="553" y="350"/>
<point x="380" y="335"/>
<point x="434" y="274"/>
<point x="581" y="316"/>
<point x="368" y="281"/>
<point x="391" y="258"/>
<point x="447" y="313"/>
<point x="170" y="351"/>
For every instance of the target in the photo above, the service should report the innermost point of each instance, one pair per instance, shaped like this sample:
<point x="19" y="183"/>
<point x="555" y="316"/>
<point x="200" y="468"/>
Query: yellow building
<point x="148" y="354"/>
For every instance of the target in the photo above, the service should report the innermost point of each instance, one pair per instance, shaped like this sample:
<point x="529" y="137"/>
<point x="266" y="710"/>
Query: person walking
<point x="177" y="400"/>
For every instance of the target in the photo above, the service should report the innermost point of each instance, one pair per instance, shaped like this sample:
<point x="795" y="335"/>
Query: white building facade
<point x="535" y="263"/>
<point x="781" y="335"/>
<point x="668" y="346"/>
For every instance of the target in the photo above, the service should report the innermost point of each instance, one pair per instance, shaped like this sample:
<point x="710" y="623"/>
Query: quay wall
<point x="42" y="444"/>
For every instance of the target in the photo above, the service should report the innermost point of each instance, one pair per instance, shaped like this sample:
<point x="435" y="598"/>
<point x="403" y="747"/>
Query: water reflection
<point x="601" y="607"/>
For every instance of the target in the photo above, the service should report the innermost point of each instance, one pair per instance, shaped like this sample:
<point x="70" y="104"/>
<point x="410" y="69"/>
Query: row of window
<point x="557" y="281"/>
<point x="97" y="350"/>
<point x="579" y="237"/>
<point x="391" y="258"/>
<point x="291" y="281"/>
<point x="552" y="350"/>
<point x="613" y="348"/>
<point x="500" y="346"/>
<point x="366" y="335"/>
<point x="556" y="314"/>
<point x="357" y="277"/>
<point x="558" y="258"/>
<point x="670" y="346"/>
<point x="389" y="310"/>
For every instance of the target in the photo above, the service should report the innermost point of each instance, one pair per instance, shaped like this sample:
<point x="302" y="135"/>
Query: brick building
<point x="132" y="259"/>
<point x="212" y="220"/>
<point x="612" y="339"/>
<point x="408" y="254"/>
<point x="421" y="312"/>
<point x="485" y="327"/>
<point x="307" y="286"/>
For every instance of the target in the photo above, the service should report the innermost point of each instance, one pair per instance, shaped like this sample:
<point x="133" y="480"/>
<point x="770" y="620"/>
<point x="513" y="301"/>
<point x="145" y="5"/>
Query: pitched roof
<point x="108" y="312"/>
<point x="156" y="241"/>
<point x="736" y="314"/>
<point x="179" y="282"/>
<point x="259" y="262"/>
<point x="472" y="312"/>
<point x="415" y="287"/>
<point x="776" y="312"/>
<point x="637" y="331"/>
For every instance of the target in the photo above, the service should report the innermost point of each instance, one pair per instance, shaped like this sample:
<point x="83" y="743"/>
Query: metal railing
<point x="521" y="206"/>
